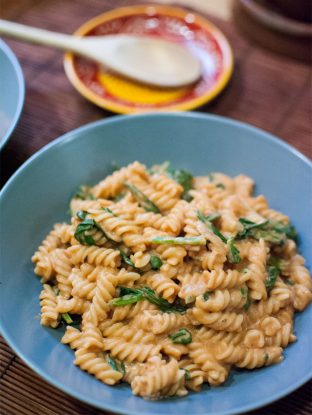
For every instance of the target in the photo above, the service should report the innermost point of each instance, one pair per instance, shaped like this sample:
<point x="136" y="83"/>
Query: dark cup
<point x="295" y="9"/>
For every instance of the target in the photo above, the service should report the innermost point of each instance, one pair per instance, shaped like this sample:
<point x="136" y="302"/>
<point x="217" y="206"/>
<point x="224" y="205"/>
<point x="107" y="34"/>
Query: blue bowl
<point x="37" y="196"/>
<point x="12" y="92"/>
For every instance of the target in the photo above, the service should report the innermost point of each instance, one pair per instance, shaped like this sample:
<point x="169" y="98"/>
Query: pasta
<point x="168" y="281"/>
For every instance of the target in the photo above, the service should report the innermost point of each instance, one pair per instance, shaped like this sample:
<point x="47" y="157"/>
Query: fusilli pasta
<point x="166" y="281"/>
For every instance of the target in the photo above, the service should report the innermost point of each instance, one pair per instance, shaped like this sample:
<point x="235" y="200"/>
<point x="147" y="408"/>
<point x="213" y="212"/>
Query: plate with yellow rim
<point x="121" y="95"/>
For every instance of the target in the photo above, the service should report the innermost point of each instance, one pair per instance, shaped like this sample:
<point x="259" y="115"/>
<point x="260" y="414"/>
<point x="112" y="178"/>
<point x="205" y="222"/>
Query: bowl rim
<point x="74" y="135"/>
<point x="273" y="20"/>
<point x="86" y="92"/>
<point x="21" y="91"/>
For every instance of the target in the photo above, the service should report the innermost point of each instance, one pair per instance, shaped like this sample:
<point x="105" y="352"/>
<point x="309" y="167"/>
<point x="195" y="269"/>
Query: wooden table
<point x="266" y="90"/>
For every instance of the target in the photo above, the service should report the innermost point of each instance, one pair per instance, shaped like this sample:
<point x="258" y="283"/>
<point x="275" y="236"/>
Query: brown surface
<point x="257" y="20"/>
<point x="269" y="91"/>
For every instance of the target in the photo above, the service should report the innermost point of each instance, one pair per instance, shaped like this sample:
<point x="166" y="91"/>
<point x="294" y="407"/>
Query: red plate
<point x="121" y="95"/>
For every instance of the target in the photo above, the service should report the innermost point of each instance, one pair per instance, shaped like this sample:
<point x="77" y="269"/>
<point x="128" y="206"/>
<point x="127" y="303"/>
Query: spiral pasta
<point x="161" y="322"/>
<point x="166" y="281"/>
<point x="93" y="255"/>
<point x="48" y="303"/>
<point x="167" y="380"/>
<point x="96" y="365"/>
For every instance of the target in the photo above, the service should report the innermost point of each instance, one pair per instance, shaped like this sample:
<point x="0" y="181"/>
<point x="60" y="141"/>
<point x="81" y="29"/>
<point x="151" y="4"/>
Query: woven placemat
<point x="22" y="392"/>
<point x="266" y="90"/>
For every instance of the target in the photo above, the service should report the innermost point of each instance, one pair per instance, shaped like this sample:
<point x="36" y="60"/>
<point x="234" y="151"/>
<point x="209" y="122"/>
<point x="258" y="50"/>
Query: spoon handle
<point x="39" y="36"/>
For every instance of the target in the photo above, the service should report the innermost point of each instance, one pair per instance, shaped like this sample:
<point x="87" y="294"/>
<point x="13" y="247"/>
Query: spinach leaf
<point x="212" y="227"/>
<point x="108" y="210"/>
<point x="273" y="273"/>
<point x="275" y="262"/>
<point x="233" y="253"/>
<point x="66" y="317"/>
<point x="126" y="300"/>
<point x="187" y="374"/>
<point x="125" y="258"/>
<point x="84" y="193"/>
<point x="206" y="295"/>
<point x="182" y="177"/>
<point x="134" y="295"/>
<point x="271" y="231"/>
<point x="248" y="226"/>
<point x="179" y="240"/>
<point x="156" y="262"/>
<point x="81" y="232"/>
<point x="71" y="319"/>
<point x="182" y="336"/>
<point x="116" y="365"/>
<point x="143" y="200"/>
<point x="81" y="214"/>
<point x="245" y="293"/>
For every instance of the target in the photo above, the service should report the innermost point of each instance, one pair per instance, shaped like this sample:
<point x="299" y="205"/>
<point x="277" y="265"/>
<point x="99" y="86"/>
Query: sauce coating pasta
<point x="167" y="281"/>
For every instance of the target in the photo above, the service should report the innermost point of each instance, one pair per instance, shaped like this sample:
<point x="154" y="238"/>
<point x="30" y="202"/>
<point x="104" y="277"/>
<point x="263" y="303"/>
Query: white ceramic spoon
<point x="144" y="59"/>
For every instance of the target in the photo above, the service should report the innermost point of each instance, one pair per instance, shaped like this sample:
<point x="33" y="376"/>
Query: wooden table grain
<point x="267" y="90"/>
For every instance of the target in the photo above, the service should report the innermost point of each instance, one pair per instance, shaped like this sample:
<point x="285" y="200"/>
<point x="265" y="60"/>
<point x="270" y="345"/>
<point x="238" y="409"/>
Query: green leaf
<point x="212" y="227"/>
<point x="179" y="240"/>
<point x="187" y="374"/>
<point x="161" y="303"/>
<point x="271" y="231"/>
<point x="143" y="200"/>
<point x="183" y="336"/>
<point x="273" y="273"/>
<point x="245" y="293"/>
<point x="108" y="210"/>
<point x="125" y="258"/>
<point x="275" y="262"/>
<point x="269" y="235"/>
<point x="112" y="362"/>
<point x="212" y="217"/>
<point x="81" y="214"/>
<point x="187" y="197"/>
<point x="84" y="193"/>
<point x="266" y="357"/>
<point x="183" y="178"/>
<point x="116" y="365"/>
<point x="288" y="230"/>
<point x="247" y="304"/>
<point x="127" y="290"/>
<point x="156" y="262"/>
<point x="81" y="232"/>
<point x="190" y="299"/>
<point x="122" y="368"/>
<point x="248" y="226"/>
<point x="66" y="317"/>
<point x="145" y="293"/>
<point x="220" y="185"/>
<point x="233" y="253"/>
<point x="206" y="295"/>
<point x="126" y="299"/>
<point x="289" y="281"/>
